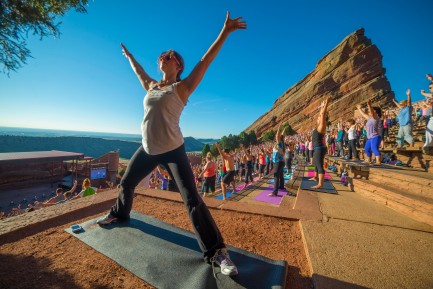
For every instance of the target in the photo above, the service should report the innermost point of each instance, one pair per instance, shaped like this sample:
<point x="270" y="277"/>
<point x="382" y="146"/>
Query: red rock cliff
<point x="350" y="74"/>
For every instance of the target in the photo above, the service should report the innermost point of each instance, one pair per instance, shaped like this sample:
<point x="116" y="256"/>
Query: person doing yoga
<point x="163" y="143"/>
<point x="319" y="146"/>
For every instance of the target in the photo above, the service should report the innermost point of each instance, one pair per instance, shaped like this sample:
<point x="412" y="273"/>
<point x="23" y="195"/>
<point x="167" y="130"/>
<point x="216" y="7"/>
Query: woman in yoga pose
<point x="163" y="143"/>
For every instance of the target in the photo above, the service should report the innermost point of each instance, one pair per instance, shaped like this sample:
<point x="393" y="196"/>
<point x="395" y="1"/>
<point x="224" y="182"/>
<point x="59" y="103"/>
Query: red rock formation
<point x="350" y="74"/>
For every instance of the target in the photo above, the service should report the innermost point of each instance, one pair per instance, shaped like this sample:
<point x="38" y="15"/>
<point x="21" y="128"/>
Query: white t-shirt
<point x="160" y="127"/>
<point x="352" y="133"/>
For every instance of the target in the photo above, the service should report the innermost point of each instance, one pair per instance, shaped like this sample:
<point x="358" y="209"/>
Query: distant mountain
<point x="89" y="146"/>
<point x="193" y="145"/>
<point x="210" y="141"/>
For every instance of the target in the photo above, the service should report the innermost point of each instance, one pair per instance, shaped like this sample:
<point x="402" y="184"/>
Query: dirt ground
<point x="55" y="259"/>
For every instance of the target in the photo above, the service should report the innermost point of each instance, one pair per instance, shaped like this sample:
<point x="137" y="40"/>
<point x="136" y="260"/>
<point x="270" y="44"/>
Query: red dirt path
<point x="54" y="259"/>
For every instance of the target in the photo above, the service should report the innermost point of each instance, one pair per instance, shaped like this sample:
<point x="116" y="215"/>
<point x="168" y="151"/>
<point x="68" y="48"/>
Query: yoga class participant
<point x="163" y="143"/>
<point x="319" y="146"/>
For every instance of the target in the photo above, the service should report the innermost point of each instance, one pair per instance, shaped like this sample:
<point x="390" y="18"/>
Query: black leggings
<point x="278" y="177"/>
<point x="249" y="173"/>
<point x="288" y="163"/>
<point x="353" y="152"/>
<point x="318" y="159"/>
<point x="177" y="164"/>
<point x="209" y="184"/>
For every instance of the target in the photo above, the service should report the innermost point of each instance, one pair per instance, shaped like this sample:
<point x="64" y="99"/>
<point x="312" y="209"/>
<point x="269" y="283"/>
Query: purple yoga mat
<point x="263" y="196"/>
<point x="327" y="175"/>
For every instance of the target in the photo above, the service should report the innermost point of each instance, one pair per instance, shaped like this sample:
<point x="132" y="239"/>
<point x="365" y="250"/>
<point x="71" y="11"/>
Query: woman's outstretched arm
<point x="144" y="78"/>
<point x="363" y="114"/>
<point x="371" y="111"/>
<point x="190" y="83"/>
<point x="322" y="116"/>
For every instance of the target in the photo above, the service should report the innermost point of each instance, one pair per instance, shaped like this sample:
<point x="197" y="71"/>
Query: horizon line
<point x="91" y="131"/>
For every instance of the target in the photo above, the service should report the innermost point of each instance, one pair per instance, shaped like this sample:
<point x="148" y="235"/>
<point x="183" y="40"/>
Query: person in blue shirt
<point x="405" y="121"/>
<point x="278" y="160"/>
<point x="340" y="136"/>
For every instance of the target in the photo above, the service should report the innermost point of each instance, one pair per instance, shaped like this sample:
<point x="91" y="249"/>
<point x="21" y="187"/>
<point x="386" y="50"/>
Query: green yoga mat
<point x="168" y="257"/>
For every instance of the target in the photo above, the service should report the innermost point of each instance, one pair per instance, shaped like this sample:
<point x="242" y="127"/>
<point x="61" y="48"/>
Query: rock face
<point x="350" y="74"/>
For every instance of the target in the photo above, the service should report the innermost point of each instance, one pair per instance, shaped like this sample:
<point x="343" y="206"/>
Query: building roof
<point x="37" y="157"/>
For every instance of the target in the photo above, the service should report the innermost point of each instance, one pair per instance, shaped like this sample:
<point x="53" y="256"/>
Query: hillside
<point x="349" y="74"/>
<point x="93" y="147"/>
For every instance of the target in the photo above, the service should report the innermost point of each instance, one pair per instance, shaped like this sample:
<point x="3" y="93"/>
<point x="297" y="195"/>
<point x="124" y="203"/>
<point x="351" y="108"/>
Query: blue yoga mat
<point x="286" y="178"/>
<point x="228" y="194"/>
<point x="168" y="257"/>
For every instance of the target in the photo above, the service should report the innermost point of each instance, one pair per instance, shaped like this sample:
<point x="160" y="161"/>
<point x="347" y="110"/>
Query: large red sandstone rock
<point x="350" y="74"/>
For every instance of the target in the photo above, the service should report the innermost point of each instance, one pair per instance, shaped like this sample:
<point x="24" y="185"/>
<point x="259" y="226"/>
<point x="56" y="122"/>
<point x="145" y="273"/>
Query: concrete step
<point x="412" y="186"/>
<point x="405" y="174"/>
<point x="408" y="202"/>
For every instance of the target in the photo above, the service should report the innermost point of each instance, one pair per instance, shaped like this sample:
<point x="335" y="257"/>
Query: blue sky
<point x="81" y="81"/>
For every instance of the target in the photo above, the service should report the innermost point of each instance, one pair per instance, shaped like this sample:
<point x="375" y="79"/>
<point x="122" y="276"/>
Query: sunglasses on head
<point x="169" y="56"/>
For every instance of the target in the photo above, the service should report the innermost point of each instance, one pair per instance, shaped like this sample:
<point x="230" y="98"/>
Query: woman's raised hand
<point x="231" y="25"/>
<point x="125" y="51"/>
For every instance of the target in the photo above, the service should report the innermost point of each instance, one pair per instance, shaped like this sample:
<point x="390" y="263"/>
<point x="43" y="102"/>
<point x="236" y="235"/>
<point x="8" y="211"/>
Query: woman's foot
<point x="317" y="187"/>
<point x="313" y="179"/>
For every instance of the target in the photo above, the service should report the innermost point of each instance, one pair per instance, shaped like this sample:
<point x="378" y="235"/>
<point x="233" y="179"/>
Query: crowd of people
<point x="370" y="130"/>
<point x="59" y="197"/>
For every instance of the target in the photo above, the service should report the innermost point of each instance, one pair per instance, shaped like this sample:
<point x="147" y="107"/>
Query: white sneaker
<point x="222" y="259"/>
<point x="108" y="219"/>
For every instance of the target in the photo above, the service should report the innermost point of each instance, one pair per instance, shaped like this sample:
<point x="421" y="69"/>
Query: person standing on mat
<point x="229" y="163"/>
<point x="319" y="146"/>
<point x="163" y="143"/>
<point x="248" y="166"/>
<point x="278" y="160"/>
<point x="373" y="135"/>
<point x="209" y="173"/>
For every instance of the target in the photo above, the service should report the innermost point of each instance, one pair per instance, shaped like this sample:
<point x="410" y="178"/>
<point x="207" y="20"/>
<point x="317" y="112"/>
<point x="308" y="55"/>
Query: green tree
<point x="205" y="150"/>
<point x="252" y="137"/>
<point x="287" y="128"/>
<point x="214" y="151"/>
<point x="243" y="139"/>
<point x="269" y="136"/>
<point x="18" y="18"/>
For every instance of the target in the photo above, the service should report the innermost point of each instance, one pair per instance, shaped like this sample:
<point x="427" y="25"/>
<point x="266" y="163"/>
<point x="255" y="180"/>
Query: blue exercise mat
<point x="228" y="194"/>
<point x="306" y="184"/>
<point x="168" y="257"/>
<point x="286" y="178"/>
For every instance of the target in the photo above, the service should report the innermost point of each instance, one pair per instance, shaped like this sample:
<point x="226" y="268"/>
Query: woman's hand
<point x="231" y="25"/>
<point x="125" y="51"/>
<point x="324" y="104"/>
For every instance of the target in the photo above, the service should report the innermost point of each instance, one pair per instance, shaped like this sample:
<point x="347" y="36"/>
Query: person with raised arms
<point x="163" y="143"/>
<point x="429" y="129"/>
<point x="229" y="163"/>
<point x="319" y="146"/>
<point x="405" y="120"/>
<point x="373" y="137"/>
<point x="278" y="160"/>
<point x="248" y="165"/>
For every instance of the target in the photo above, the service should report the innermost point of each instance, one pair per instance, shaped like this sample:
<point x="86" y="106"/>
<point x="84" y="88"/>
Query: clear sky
<point x="81" y="81"/>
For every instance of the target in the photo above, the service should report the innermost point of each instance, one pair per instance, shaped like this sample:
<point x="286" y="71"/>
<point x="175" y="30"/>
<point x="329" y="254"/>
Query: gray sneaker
<point x="108" y="219"/>
<point x="222" y="259"/>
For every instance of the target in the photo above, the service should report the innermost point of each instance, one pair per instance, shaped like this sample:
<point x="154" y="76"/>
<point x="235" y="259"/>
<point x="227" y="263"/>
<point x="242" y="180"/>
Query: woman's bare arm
<point x="190" y="83"/>
<point x="322" y="116"/>
<point x="143" y="77"/>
